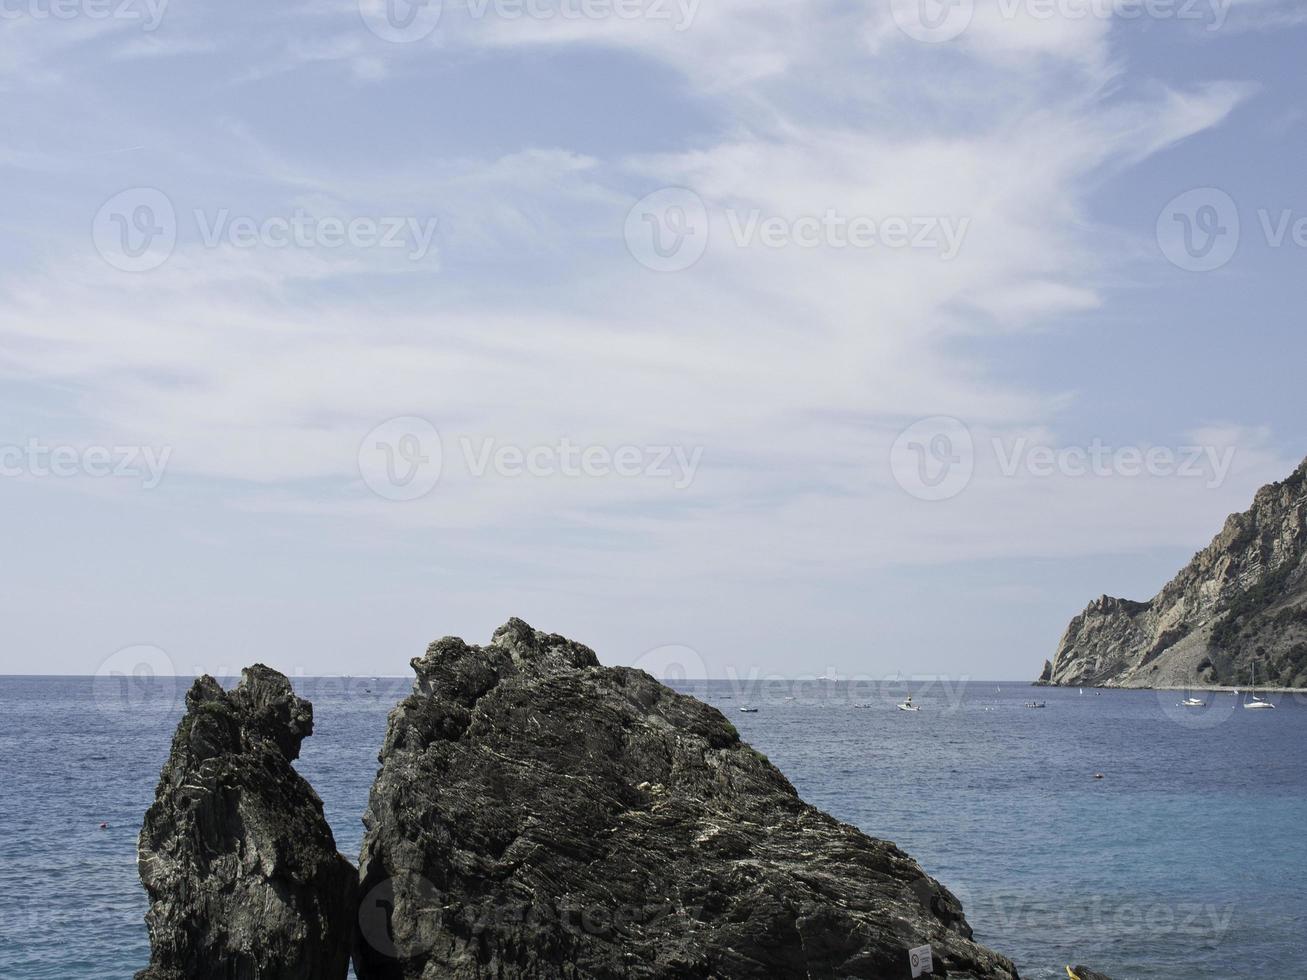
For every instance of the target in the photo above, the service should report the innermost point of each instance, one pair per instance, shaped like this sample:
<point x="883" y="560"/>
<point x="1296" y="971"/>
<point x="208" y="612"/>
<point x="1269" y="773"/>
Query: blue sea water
<point x="1187" y="860"/>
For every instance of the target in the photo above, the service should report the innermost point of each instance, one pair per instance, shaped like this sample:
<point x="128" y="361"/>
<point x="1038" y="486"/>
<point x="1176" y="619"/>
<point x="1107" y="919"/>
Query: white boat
<point x="1257" y="702"/>
<point x="1192" y="702"/>
<point x="749" y="711"/>
<point x="908" y="705"/>
<point x="1036" y="704"/>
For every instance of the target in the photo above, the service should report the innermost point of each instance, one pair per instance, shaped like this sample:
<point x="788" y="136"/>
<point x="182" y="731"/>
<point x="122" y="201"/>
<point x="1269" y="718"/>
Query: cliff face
<point x="538" y="815"/>
<point x="239" y="863"/>
<point x="1243" y="599"/>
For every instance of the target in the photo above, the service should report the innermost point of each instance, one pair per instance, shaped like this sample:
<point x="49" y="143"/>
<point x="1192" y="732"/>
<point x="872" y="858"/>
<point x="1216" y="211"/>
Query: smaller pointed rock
<point x="242" y="871"/>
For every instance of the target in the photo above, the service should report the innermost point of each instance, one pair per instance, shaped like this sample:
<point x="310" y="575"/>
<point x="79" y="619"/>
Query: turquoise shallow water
<point x="1189" y="859"/>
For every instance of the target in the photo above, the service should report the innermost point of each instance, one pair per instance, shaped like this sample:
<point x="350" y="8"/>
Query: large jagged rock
<point x="538" y="815"/>
<point x="1242" y="600"/>
<point x="241" y="868"/>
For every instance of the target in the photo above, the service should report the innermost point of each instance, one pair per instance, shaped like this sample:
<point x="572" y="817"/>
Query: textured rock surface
<point x="538" y="815"/>
<point x="241" y="868"/>
<point x="1243" y="597"/>
<point x="1084" y="973"/>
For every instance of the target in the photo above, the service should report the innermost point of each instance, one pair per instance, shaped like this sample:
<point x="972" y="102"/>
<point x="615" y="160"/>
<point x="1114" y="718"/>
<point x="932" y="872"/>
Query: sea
<point x="1114" y="829"/>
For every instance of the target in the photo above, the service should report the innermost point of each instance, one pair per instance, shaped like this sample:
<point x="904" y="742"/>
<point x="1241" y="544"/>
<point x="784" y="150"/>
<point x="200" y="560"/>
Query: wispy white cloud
<point x="793" y="369"/>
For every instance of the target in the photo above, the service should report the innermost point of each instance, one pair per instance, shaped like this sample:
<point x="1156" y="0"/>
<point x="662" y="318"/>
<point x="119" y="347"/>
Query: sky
<point x="730" y="338"/>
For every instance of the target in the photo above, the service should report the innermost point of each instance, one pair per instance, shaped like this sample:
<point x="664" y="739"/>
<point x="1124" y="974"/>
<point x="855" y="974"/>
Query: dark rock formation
<point x="241" y="868"/>
<point x="1084" y="973"/>
<point x="538" y="815"/>
<point x="1242" y="600"/>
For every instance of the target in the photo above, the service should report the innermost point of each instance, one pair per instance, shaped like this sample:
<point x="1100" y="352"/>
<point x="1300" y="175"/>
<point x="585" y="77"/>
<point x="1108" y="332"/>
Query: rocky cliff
<point x="538" y="815"/>
<point x="238" y="861"/>
<point x="1241" y="600"/>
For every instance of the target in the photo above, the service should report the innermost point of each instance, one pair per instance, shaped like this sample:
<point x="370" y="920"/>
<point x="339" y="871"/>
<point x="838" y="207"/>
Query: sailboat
<point x="1257" y="702"/>
<point x="1192" y="702"/>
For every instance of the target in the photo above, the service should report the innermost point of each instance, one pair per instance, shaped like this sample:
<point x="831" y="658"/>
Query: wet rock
<point x="538" y="815"/>
<point x="1084" y="973"/>
<point x="242" y="871"/>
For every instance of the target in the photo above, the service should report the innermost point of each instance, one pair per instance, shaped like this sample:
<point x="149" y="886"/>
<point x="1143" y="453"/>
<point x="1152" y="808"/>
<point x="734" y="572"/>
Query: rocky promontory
<point x="1241" y="601"/>
<point x="240" y="866"/>
<point x="538" y="815"/>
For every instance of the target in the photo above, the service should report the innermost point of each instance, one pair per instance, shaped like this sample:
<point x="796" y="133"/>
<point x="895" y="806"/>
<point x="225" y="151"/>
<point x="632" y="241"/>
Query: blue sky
<point x="527" y="238"/>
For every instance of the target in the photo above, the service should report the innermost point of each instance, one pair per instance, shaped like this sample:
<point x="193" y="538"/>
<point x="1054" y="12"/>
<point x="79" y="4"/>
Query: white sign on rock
<point x="921" y="961"/>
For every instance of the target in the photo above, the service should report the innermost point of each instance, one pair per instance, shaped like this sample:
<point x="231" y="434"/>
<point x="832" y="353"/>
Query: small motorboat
<point x="908" y="705"/>
<point x="749" y="711"/>
<point x="1036" y="704"/>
